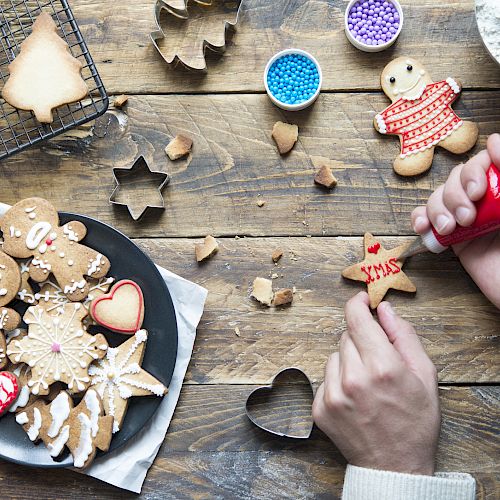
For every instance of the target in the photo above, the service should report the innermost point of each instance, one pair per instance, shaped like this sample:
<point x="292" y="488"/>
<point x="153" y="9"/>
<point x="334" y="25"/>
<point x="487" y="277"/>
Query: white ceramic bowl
<point x="372" y="48"/>
<point x="302" y="105"/>
<point x="486" y="46"/>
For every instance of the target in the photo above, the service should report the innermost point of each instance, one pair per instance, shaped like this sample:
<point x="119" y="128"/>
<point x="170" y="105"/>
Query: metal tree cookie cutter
<point x="184" y="14"/>
<point x="138" y="183"/>
<point x="283" y="408"/>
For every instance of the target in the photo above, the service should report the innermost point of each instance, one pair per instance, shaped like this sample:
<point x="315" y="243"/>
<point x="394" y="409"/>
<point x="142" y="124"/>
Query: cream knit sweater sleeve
<point x="369" y="484"/>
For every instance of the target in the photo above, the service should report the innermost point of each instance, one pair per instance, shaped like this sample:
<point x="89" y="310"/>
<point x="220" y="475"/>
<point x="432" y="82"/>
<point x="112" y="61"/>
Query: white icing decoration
<point x="4" y="317"/>
<point x="94" y="265"/>
<point x="59" y="410"/>
<point x="34" y="430"/>
<point x="73" y="287"/>
<point x="3" y="291"/>
<point x="22" y="418"/>
<point x="55" y="448"/>
<point x="381" y="124"/>
<point x="29" y="209"/>
<point x="22" y="400"/>
<point x="72" y="236"/>
<point x="25" y="296"/>
<point x="6" y="389"/>
<point x="92" y="403"/>
<point x="85" y="447"/>
<point x="453" y="85"/>
<point x="37" y="233"/>
<point x="41" y="264"/>
<point x="70" y="263"/>
<point x="32" y="215"/>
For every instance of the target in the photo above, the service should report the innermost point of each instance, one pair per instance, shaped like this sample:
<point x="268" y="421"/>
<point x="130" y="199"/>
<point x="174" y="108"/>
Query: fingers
<point x="420" y="221"/>
<point x="332" y="372"/>
<point x="473" y="174"/>
<point x="440" y="217"/>
<point x="368" y="337"/>
<point x="455" y="198"/>
<point x="403" y="337"/>
<point x="493" y="146"/>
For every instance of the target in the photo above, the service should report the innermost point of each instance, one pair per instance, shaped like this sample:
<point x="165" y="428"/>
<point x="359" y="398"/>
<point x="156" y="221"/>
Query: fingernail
<point x="442" y="222"/>
<point x="471" y="188"/>
<point x="389" y="309"/>
<point x="463" y="215"/>
<point x="419" y="223"/>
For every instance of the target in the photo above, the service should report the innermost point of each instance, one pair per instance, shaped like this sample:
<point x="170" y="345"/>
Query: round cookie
<point x="421" y="115"/>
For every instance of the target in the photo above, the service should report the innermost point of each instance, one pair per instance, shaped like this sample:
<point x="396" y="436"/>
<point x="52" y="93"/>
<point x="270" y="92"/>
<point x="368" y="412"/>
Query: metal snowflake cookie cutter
<point x="136" y="184"/>
<point x="283" y="408"/>
<point x="192" y="54"/>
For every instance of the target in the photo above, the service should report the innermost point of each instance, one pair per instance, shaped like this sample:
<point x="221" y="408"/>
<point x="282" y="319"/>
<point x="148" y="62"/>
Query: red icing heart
<point x="122" y="309"/>
<point x="374" y="248"/>
<point x="9" y="390"/>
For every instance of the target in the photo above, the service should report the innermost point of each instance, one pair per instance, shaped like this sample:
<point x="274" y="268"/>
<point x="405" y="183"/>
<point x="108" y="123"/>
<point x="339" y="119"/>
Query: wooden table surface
<point x="211" y="450"/>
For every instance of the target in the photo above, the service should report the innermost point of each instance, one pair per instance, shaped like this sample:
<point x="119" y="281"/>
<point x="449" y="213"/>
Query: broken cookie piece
<point x="324" y="177"/>
<point x="262" y="291"/>
<point x="285" y="135"/>
<point x="283" y="297"/>
<point x="180" y="146"/>
<point x="277" y="254"/>
<point x="120" y="101"/>
<point x="207" y="249"/>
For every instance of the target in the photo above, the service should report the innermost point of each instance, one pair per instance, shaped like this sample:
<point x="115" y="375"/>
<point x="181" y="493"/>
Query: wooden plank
<point x="458" y="326"/>
<point x="235" y="160"/>
<point x="444" y="35"/>
<point x="213" y="451"/>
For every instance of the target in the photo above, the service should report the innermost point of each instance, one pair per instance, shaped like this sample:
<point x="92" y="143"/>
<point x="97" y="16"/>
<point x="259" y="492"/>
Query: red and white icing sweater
<point x="424" y="121"/>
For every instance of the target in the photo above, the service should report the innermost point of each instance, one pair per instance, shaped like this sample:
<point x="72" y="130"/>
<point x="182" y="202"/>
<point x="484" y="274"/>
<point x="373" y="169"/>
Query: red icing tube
<point x="487" y="219"/>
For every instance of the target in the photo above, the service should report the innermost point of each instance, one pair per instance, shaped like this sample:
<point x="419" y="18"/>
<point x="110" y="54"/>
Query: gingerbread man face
<point x="404" y="78"/>
<point x="31" y="229"/>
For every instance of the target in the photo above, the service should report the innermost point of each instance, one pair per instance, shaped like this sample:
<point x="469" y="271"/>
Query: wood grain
<point x="458" y="326"/>
<point x="213" y="451"/>
<point x="235" y="163"/>
<point x="127" y="61"/>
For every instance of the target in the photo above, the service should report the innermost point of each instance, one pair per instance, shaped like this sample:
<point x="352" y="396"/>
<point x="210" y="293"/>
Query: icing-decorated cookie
<point x="9" y="391"/>
<point x="122" y="309"/>
<point x="9" y="320"/>
<point x="421" y="115"/>
<point x="31" y="229"/>
<point x="119" y="376"/>
<point x="381" y="270"/>
<point x="82" y="429"/>
<point x="25" y="292"/>
<point x="57" y="348"/>
<point x="52" y="298"/>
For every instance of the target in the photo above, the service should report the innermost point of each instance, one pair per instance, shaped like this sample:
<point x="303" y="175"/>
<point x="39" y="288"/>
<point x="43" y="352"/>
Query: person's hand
<point x="452" y="203"/>
<point x="379" y="402"/>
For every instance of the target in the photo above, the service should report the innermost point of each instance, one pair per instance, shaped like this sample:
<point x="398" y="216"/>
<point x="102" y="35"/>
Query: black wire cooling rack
<point x="20" y="129"/>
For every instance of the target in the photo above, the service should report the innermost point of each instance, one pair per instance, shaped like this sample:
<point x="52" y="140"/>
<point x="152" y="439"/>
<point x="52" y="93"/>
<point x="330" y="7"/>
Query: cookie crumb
<point x="294" y="290"/>
<point x="206" y="249"/>
<point x="277" y="254"/>
<point x="274" y="276"/>
<point x="261" y="203"/>
<point x="283" y="297"/>
<point x="324" y="177"/>
<point x="285" y="135"/>
<point x="262" y="291"/>
<point x="120" y="101"/>
<point x="237" y="331"/>
<point x="180" y="146"/>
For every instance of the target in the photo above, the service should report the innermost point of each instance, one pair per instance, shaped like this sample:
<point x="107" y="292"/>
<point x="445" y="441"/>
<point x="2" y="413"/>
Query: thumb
<point x="403" y="337"/>
<point x="494" y="148"/>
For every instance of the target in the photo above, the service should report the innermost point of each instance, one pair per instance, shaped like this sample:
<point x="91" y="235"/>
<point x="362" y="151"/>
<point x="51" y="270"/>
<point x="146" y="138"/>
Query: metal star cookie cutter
<point x="131" y="176"/>
<point x="293" y="419"/>
<point x="180" y="10"/>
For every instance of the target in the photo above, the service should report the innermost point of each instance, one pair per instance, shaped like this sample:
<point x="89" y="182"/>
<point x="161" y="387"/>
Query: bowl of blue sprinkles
<point x="293" y="79"/>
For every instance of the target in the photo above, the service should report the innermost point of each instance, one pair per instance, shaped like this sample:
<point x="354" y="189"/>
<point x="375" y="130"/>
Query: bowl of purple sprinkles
<point x="373" y="25"/>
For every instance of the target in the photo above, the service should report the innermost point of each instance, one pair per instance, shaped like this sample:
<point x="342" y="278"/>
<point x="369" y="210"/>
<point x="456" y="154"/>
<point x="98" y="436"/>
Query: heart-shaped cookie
<point x="283" y="408"/>
<point x="122" y="309"/>
<point x="9" y="390"/>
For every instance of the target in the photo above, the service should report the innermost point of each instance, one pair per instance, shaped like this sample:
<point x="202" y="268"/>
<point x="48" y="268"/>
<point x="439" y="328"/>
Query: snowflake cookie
<point x="31" y="229"/>
<point x="57" y="348"/>
<point x="119" y="376"/>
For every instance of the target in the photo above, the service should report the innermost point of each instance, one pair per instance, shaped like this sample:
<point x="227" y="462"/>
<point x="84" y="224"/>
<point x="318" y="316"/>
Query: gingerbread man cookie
<point x="57" y="349"/>
<point x="421" y="115"/>
<point x="31" y="229"/>
<point x="25" y="293"/>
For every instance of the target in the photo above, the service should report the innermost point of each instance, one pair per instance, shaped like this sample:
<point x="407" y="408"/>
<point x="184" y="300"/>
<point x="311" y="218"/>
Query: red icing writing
<point x="381" y="270"/>
<point x="374" y="248"/>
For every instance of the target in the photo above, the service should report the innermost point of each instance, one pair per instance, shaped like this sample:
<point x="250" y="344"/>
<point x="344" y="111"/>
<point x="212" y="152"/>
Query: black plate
<point x="127" y="261"/>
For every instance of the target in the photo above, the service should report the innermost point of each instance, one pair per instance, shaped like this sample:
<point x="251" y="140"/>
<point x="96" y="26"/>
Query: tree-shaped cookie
<point x="119" y="376"/>
<point x="421" y="115"/>
<point x="380" y="270"/>
<point x="10" y="280"/>
<point x="31" y="229"/>
<point x="57" y="348"/>
<point x="82" y="429"/>
<point x="44" y="75"/>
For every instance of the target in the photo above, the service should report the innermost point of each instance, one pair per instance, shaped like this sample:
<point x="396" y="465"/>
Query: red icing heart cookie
<point x="122" y="309"/>
<point x="9" y="390"/>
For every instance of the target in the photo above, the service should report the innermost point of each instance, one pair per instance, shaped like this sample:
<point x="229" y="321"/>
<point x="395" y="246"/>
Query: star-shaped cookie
<point x="381" y="270"/>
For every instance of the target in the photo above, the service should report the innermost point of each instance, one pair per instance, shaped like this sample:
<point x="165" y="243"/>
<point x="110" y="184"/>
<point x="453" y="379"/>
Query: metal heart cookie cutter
<point x="283" y="408"/>
<point x="213" y="18"/>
